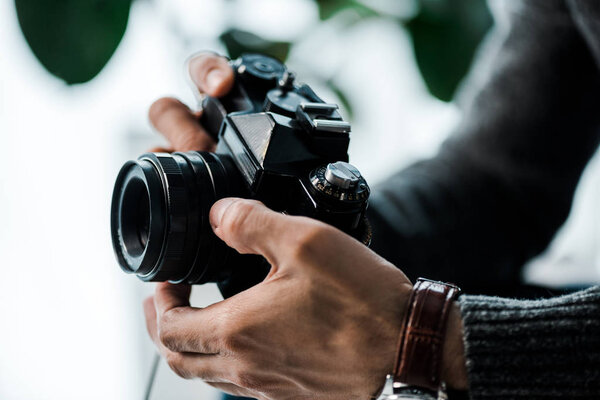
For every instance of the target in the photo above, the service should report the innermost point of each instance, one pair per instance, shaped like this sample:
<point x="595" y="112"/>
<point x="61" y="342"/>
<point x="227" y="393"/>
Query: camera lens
<point x="159" y="217"/>
<point x="136" y="225"/>
<point x="143" y="220"/>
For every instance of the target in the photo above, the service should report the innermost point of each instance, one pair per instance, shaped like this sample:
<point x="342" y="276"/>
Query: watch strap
<point x="420" y="349"/>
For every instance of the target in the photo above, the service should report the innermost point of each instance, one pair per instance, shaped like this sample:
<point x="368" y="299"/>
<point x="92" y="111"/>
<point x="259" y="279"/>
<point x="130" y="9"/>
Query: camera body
<point x="278" y="143"/>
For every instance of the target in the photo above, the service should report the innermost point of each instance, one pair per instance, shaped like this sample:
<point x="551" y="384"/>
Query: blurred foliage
<point x="445" y="36"/>
<point x="328" y="8"/>
<point x="237" y="42"/>
<point x="73" y="39"/>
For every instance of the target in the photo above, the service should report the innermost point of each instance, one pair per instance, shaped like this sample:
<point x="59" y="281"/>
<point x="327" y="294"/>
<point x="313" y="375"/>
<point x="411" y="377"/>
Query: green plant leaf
<point x="328" y="8"/>
<point x="73" y="39"/>
<point x="238" y="42"/>
<point x="445" y="35"/>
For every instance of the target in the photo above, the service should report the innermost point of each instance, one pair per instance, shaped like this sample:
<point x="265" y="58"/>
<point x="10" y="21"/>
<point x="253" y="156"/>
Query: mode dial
<point x="340" y="181"/>
<point x="342" y="175"/>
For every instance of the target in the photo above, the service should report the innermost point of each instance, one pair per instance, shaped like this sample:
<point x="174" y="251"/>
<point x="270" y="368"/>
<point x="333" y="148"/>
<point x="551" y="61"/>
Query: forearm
<point x="454" y="369"/>
<point x="524" y="349"/>
<point x="503" y="183"/>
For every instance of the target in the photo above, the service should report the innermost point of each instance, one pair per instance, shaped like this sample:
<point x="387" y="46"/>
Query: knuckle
<point x="237" y="216"/>
<point x="205" y="374"/>
<point x="236" y="339"/>
<point x="166" y="338"/>
<point x="165" y="319"/>
<point x="309" y="240"/>
<point x="232" y="342"/>
<point x="166" y="333"/>
<point x="161" y="106"/>
<point x="174" y="360"/>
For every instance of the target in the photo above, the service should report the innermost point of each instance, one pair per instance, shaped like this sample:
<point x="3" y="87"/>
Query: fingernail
<point x="217" y="211"/>
<point x="214" y="78"/>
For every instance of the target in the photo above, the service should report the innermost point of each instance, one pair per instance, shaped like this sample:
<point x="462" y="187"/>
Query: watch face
<point x="411" y="393"/>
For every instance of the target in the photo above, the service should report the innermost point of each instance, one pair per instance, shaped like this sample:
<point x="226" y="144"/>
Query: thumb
<point x="251" y="228"/>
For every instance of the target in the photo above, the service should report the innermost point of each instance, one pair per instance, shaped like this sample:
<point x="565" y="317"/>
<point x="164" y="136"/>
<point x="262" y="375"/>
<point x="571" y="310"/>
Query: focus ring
<point x="173" y="250"/>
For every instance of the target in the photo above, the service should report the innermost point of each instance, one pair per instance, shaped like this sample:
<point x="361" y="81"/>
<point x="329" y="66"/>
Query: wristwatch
<point x="420" y="349"/>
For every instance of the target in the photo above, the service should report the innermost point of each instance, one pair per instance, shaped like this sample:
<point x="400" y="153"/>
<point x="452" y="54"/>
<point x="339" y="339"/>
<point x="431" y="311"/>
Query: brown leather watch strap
<point x="421" y="344"/>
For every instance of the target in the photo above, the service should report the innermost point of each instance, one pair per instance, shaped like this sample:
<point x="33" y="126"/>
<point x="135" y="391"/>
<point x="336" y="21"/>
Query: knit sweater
<point x="533" y="349"/>
<point x="496" y="193"/>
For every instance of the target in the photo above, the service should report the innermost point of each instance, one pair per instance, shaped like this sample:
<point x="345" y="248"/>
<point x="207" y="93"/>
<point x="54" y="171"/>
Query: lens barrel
<point x="159" y="217"/>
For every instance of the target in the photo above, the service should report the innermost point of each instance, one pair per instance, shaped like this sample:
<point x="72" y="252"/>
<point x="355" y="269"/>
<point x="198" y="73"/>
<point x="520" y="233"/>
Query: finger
<point x="152" y="325"/>
<point x="211" y="73"/>
<point x="211" y="368"/>
<point x="181" y="328"/>
<point x="186" y="365"/>
<point x="179" y="125"/>
<point x="232" y="389"/>
<point x="150" y="315"/>
<point x="250" y="227"/>
<point x="169" y="296"/>
<point x="160" y="149"/>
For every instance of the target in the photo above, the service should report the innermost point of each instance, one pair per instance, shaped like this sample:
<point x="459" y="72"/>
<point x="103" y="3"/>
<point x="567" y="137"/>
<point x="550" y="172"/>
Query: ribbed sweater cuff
<point x="541" y="349"/>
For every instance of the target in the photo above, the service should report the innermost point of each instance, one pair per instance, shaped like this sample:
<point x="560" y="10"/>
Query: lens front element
<point x="135" y="226"/>
<point x="159" y="216"/>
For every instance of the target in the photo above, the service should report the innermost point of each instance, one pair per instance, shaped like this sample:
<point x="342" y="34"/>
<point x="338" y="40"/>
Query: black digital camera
<point x="278" y="142"/>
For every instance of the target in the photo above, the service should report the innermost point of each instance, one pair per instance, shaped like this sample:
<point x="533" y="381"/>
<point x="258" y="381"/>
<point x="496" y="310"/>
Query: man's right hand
<point x="212" y="76"/>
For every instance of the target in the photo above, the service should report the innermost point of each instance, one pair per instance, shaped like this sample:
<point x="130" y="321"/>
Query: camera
<point x="277" y="142"/>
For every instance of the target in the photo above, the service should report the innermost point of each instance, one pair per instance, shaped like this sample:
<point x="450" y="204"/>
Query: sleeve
<point x="502" y="183"/>
<point x="523" y="349"/>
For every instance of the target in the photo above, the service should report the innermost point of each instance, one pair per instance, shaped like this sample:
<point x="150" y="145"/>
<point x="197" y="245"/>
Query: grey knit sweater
<point x="496" y="193"/>
<point x="519" y="349"/>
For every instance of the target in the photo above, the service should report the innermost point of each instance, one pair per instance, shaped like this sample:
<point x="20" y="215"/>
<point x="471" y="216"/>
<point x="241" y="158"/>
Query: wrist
<point x="395" y="310"/>
<point x="454" y="369"/>
<point x="430" y="340"/>
<point x="391" y="315"/>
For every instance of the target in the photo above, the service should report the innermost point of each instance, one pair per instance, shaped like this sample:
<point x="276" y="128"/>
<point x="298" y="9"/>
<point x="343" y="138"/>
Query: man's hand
<point x="212" y="76"/>
<point x="323" y="325"/>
